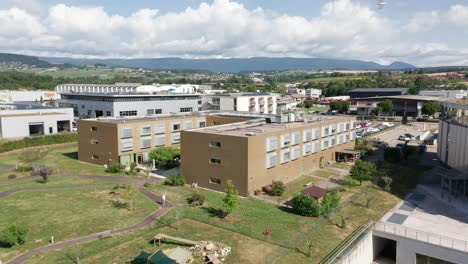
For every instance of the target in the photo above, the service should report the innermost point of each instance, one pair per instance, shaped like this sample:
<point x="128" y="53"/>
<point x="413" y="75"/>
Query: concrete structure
<point x="313" y="93"/>
<point x="105" y="141"/>
<point x="256" y="152"/>
<point x="445" y="94"/>
<point x="405" y="104"/>
<point x="126" y="88"/>
<point x="373" y="92"/>
<point x="27" y="96"/>
<point x="264" y="103"/>
<point x="91" y="105"/>
<point x="20" y="120"/>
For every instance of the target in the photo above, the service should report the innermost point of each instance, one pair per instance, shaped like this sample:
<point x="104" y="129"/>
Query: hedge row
<point x="38" y="141"/>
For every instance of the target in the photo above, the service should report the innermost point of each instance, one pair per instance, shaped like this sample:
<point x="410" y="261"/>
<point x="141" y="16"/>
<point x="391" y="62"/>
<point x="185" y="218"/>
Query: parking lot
<point x="391" y="135"/>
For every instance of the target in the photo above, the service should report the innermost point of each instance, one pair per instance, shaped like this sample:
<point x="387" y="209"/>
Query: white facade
<point x="27" y="96"/>
<point x="313" y="93"/>
<point x="446" y="94"/>
<point x="20" y="123"/>
<point x="128" y="88"/>
<point x="261" y="103"/>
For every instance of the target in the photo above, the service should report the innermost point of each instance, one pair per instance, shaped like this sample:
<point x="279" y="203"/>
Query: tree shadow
<point x="214" y="212"/>
<point x="119" y="204"/>
<point x="71" y="155"/>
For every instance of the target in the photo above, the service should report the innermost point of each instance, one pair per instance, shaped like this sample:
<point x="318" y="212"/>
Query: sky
<point x="420" y="32"/>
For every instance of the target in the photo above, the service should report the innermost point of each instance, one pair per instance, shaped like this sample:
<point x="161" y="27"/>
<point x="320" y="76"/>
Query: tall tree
<point x="231" y="199"/>
<point x="363" y="171"/>
<point x="430" y="108"/>
<point x="386" y="105"/>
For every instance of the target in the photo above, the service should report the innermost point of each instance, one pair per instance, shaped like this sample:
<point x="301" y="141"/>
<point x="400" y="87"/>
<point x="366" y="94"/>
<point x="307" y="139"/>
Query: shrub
<point x="392" y="155"/>
<point x="147" y="185"/>
<point x="115" y="168"/>
<point x="13" y="235"/>
<point x="330" y="201"/>
<point x="351" y="182"/>
<point x="175" y="179"/>
<point x="277" y="188"/>
<point x="168" y="156"/>
<point x="306" y="205"/>
<point x="38" y="141"/>
<point x="24" y="168"/>
<point x="363" y="171"/>
<point x="12" y="176"/>
<point x="119" y="187"/>
<point x="196" y="199"/>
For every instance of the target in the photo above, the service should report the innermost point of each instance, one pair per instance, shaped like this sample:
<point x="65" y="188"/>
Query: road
<point x="391" y="136"/>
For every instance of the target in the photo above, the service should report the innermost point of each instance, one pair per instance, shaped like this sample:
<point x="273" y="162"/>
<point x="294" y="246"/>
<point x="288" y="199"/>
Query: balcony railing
<point x="422" y="236"/>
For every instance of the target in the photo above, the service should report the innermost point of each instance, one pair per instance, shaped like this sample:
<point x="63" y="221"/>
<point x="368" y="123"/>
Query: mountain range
<point x="214" y="65"/>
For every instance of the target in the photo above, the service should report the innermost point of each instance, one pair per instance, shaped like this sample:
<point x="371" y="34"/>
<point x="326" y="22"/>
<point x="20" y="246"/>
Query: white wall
<point x="362" y="253"/>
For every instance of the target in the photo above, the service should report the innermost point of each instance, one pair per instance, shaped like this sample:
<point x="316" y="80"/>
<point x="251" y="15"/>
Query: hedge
<point x="38" y="141"/>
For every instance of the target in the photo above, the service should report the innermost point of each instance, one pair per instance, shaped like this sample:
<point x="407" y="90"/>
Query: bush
<point x="330" y="201"/>
<point x="196" y="199"/>
<point x="115" y="168"/>
<point x="147" y="185"/>
<point x="13" y="235"/>
<point x="24" y="168"/>
<point x="38" y="141"/>
<point x="277" y="188"/>
<point x="12" y="176"/>
<point x="306" y="205"/>
<point x="363" y="171"/>
<point x="392" y="155"/>
<point x="351" y="182"/>
<point x="175" y="179"/>
<point x="168" y="156"/>
<point x="119" y="187"/>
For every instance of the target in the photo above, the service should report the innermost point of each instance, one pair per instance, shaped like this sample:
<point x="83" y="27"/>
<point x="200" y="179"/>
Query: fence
<point x="422" y="236"/>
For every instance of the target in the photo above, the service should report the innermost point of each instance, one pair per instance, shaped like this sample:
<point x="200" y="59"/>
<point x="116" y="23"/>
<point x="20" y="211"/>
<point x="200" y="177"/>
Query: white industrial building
<point x="126" y="88"/>
<point x="313" y="93"/>
<point x="22" y="120"/>
<point x="445" y="94"/>
<point x="27" y="96"/>
<point x="262" y="103"/>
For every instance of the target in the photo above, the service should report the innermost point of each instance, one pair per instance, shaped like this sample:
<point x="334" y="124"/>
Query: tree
<point x="131" y="195"/>
<point x="13" y="235"/>
<point x="305" y="205"/>
<point x="277" y="188"/>
<point x="330" y="201"/>
<point x="308" y="104"/>
<point x="231" y="199"/>
<point x="386" y="106"/>
<point x="42" y="171"/>
<point x="166" y="155"/>
<point x="363" y="171"/>
<point x="430" y="108"/>
<point x="175" y="179"/>
<point x="341" y="106"/>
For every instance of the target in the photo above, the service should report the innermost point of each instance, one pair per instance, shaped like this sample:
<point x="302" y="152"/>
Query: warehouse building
<point x="256" y="152"/>
<point x="23" y="120"/>
<point x="373" y="92"/>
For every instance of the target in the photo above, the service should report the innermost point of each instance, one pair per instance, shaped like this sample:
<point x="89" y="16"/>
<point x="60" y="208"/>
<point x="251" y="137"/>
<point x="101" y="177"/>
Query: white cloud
<point x="343" y="29"/>
<point x="458" y="15"/>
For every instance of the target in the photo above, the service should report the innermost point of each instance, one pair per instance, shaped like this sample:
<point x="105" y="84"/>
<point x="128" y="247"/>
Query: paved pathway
<point x="145" y="222"/>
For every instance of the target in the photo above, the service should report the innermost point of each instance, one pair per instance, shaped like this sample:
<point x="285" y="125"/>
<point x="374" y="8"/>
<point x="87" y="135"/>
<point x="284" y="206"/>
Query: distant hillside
<point x="26" y="60"/>
<point x="239" y="64"/>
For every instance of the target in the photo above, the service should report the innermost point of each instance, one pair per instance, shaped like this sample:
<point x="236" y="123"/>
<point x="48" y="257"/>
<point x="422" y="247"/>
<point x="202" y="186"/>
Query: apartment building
<point x="313" y="93"/>
<point x="105" y="141"/>
<point x="256" y="152"/>
<point x="263" y="103"/>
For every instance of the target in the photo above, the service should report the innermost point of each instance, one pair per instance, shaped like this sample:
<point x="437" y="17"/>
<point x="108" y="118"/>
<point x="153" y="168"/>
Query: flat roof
<point x="401" y="97"/>
<point x="371" y="90"/>
<point x="257" y="127"/>
<point x="19" y="106"/>
<point x="131" y="94"/>
<point x="30" y="114"/>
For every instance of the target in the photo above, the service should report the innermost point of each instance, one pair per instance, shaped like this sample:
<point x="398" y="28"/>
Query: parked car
<point x="388" y="124"/>
<point x="405" y="137"/>
<point x="380" y="144"/>
<point x="381" y="127"/>
<point x="358" y="126"/>
<point x="372" y="130"/>
<point x="400" y="145"/>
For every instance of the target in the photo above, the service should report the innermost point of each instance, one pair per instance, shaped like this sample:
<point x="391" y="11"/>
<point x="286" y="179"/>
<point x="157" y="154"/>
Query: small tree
<point x="130" y="195"/>
<point x="305" y="205"/>
<point x="386" y="106"/>
<point x="330" y="201"/>
<point x="166" y="155"/>
<point x="13" y="235"/>
<point x="42" y="171"/>
<point x="363" y="171"/>
<point x="307" y="104"/>
<point x="231" y="199"/>
<point x="277" y="188"/>
<point x="388" y="182"/>
<point x="114" y="168"/>
<point x="175" y="179"/>
<point x="430" y="108"/>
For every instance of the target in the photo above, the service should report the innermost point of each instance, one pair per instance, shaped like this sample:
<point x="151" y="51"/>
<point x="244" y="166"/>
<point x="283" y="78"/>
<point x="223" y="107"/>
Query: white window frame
<point x="146" y="139"/>
<point x="295" y="152"/>
<point x="269" y="157"/>
<point x="145" y="127"/>
<point x="188" y="125"/>
<point x="307" y="149"/>
<point x="159" y="140"/>
<point x="160" y="128"/>
<point x="283" y="152"/>
<point x="315" y="133"/>
<point x="316" y="147"/>
<point x="124" y="132"/>
<point x="175" y="138"/>
<point x="125" y="142"/>
<point x="285" y="140"/>
<point x="307" y="135"/>
<point x="271" y="143"/>
<point x="296" y="138"/>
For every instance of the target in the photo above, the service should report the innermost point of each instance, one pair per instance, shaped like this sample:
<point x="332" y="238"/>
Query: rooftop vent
<point x="250" y="134"/>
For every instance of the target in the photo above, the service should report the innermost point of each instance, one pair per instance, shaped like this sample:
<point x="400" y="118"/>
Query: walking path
<point x="164" y="208"/>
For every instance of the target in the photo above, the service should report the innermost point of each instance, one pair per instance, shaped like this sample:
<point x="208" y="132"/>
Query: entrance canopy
<point x="347" y="156"/>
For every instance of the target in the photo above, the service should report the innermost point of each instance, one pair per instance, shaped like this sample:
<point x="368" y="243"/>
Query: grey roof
<point x="370" y="90"/>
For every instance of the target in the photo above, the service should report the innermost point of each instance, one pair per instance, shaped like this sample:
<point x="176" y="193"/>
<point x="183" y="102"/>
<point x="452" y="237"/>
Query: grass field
<point x="67" y="214"/>
<point x="296" y="186"/>
<point x="341" y="165"/>
<point x="54" y="181"/>
<point x="101" y="72"/>
<point x="324" y="173"/>
<point x="62" y="159"/>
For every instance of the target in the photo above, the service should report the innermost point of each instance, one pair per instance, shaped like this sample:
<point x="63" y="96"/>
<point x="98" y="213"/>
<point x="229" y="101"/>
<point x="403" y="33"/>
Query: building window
<point x="188" y="124"/>
<point x="315" y="133"/>
<point x="215" y="144"/>
<point x="126" y="145"/>
<point x="215" y="180"/>
<point x="145" y="142"/>
<point x="160" y="128"/>
<point x="160" y="140"/>
<point x="108" y="113"/>
<point x="316" y="147"/>
<point x="215" y="161"/>
<point x="145" y="130"/>
<point x="332" y="141"/>
<point x="333" y="129"/>
<point x="94" y="141"/>
<point x="325" y="143"/>
<point x="186" y="109"/>
<point x="95" y="157"/>
<point x="285" y="155"/>
<point x="126" y="132"/>
<point x="175" y="126"/>
<point x="296" y="138"/>
<point x="128" y="113"/>
<point x="271" y="160"/>
<point x="285" y="140"/>
<point x="325" y="131"/>
<point x="296" y="153"/>
<point x="306" y="149"/>
<point x="202" y="124"/>
<point x="150" y="112"/>
<point x="94" y="129"/>
<point x="175" y="138"/>
<point x="158" y="111"/>
<point x="271" y="143"/>
<point x="307" y="135"/>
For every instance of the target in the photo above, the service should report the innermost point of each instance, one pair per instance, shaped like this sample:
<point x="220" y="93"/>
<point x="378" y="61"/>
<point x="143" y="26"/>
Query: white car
<point x="372" y="130"/>
<point x="404" y="137"/>
<point x="388" y="124"/>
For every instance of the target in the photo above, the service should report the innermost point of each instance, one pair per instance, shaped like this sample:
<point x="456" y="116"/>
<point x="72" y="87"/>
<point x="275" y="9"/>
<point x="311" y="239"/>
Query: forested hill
<point x="26" y="60"/>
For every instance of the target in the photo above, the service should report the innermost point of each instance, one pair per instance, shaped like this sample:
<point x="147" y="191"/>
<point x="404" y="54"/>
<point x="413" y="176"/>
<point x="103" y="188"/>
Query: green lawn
<point x="54" y="181"/>
<point x="341" y="165"/>
<point x="296" y="186"/>
<point x="324" y="173"/>
<point x="67" y="214"/>
<point x="62" y="159"/>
